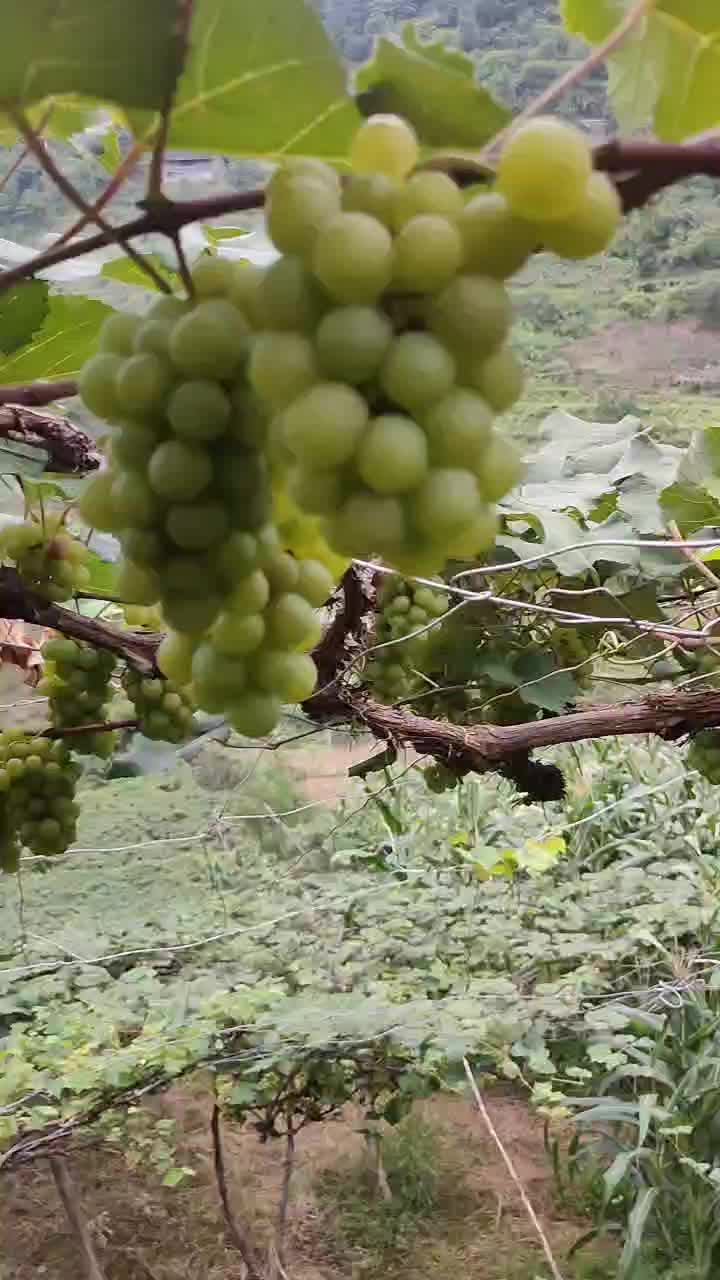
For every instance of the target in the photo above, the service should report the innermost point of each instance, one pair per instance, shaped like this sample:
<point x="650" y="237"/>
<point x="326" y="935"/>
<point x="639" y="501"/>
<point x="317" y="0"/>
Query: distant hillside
<point x="519" y="45"/>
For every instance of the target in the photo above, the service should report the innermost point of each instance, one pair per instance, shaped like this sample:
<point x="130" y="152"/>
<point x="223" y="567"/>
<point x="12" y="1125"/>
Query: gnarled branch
<point x="71" y="450"/>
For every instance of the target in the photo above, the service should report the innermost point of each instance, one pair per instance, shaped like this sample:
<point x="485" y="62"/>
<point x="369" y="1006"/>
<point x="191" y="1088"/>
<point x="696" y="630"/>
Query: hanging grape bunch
<point x="386" y="359"/>
<point x="46" y="556"/>
<point x="403" y="608"/>
<point x="37" y="797"/>
<point x="76" y="681"/>
<point x="187" y="492"/>
<point x="163" y="709"/>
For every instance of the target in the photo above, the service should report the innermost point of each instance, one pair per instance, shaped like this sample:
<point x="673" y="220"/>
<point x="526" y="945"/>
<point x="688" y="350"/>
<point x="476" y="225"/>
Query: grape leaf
<point x="126" y="271"/>
<point x="126" y="53"/>
<point x="61" y="345"/>
<point x="23" y="310"/>
<point x="668" y="68"/>
<point x="433" y="87"/>
<point x="690" y="506"/>
<point x="19" y="459"/>
<point x="262" y="80"/>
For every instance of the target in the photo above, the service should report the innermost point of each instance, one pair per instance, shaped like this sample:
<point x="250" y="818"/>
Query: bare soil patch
<point x="146" y="1232"/>
<point x="647" y="356"/>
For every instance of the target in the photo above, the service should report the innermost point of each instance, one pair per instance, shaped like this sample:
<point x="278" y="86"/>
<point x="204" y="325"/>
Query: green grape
<point x="188" y="615"/>
<point x="97" y="384"/>
<point x="254" y="714"/>
<point x="392" y="455"/>
<point x="496" y="242"/>
<point x="417" y="370"/>
<point x="289" y="620"/>
<point x="268" y="541"/>
<point x="298" y="211"/>
<point x="137" y="584"/>
<point x="282" y="366"/>
<point x="291" y="676"/>
<point x="96" y="507"/>
<point x="368" y="523"/>
<point x="188" y="575"/>
<point x="198" y="410"/>
<point x="427" y="192"/>
<point x="315" y="582"/>
<point x="372" y="193"/>
<point x="476" y="536"/>
<point x="323" y="426"/>
<point x="153" y="336"/>
<point x="249" y="422"/>
<point x="472" y="314"/>
<point x="210" y="341"/>
<point x="457" y="426"/>
<point x="238" y="556"/>
<point x="353" y="258"/>
<point x="133" y="445"/>
<point x="236" y="634"/>
<point x="499" y="468"/>
<point x="133" y="501"/>
<point x="144" y="546"/>
<point x="142" y="383"/>
<point x="118" y="333"/>
<point x="290" y="296"/>
<point x="217" y="679"/>
<point x="317" y="492"/>
<point x="211" y="276"/>
<point x="385" y="144"/>
<point x="178" y="471"/>
<point x="302" y="167"/>
<point x="447" y="500"/>
<point x="174" y="656"/>
<point x="428" y="253"/>
<point x="499" y="378"/>
<point x="245" y="291"/>
<point x="168" y="308"/>
<point x="251" y="594"/>
<point x="282" y="572"/>
<point x="351" y="343"/>
<point x="544" y="169"/>
<point x="197" y="526"/>
<point x="592" y="225"/>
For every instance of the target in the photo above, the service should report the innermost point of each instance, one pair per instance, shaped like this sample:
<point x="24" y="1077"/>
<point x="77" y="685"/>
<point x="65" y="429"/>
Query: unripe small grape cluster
<point x="385" y="354"/>
<point x="187" y="492"/>
<point x="704" y="754"/>
<point x="439" y="777"/>
<point x="404" y="607"/>
<point x="47" y="557"/>
<point x="163" y="709"/>
<point x="574" y="648"/>
<point x="77" y="681"/>
<point x="37" y="797"/>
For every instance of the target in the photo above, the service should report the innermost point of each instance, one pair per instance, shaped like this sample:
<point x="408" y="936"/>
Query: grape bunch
<point x="77" y="681"/>
<point x="384" y="353"/>
<point x="163" y="709"/>
<point x="187" y="491"/>
<point x="37" y="797"/>
<point x="439" y="777"/>
<point x="704" y="754"/>
<point x="404" y="607"/>
<point x="46" y="556"/>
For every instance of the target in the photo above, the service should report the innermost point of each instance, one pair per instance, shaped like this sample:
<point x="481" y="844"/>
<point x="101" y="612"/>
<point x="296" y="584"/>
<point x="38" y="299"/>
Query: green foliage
<point x="433" y="86"/>
<point x="123" y="54"/>
<point x="669" y="68"/>
<point x="60" y="345"/>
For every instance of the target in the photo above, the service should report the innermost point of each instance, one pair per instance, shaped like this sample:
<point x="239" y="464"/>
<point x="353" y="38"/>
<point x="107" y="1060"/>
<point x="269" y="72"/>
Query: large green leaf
<point x="432" y="86"/>
<point x="23" y="310"/>
<point x="667" y="70"/>
<point x="262" y="80"/>
<point x="126" y="52"/>
<point x="63" y="343"/>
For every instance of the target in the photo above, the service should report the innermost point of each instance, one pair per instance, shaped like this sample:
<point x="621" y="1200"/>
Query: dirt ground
<point x="145" y="1232"/>
<point x="649" y="356"/>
